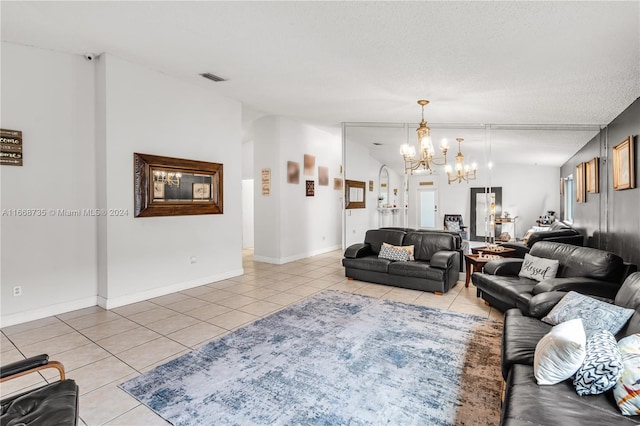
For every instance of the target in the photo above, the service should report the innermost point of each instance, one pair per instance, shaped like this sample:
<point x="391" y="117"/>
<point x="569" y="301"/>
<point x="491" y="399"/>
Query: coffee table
<point x="474" y="262"/>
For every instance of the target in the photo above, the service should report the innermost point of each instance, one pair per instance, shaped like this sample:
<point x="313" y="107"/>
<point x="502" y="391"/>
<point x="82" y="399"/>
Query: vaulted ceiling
<point x="553" y="63"/>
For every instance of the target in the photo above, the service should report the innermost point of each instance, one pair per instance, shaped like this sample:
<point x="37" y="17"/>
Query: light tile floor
<point x="101" y="349"/>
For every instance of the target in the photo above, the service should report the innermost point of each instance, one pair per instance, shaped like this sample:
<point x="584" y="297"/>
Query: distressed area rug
<point x="336" y="359"/>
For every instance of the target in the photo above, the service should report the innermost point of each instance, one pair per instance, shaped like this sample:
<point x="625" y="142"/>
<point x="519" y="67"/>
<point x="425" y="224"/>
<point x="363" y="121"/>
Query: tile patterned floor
<point x="101" y="349"/>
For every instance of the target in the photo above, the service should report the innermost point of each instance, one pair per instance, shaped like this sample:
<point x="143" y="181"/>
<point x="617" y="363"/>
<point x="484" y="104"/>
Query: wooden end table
<point x="505" y="252"/>
<point x="474" y="262"/>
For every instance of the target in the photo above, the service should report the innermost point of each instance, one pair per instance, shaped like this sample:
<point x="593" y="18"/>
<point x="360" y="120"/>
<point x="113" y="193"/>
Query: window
<point x="568" y="199"/>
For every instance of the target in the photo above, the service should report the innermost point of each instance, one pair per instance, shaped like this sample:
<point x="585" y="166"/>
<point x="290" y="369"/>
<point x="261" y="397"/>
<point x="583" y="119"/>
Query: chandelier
<point x="426" y="159"/>
<point x="168" y="178"/>
<point x="463" y="172"/>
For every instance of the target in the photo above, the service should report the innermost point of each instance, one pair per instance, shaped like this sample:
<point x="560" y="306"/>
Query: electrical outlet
<point x="192" y="260"/>
<point x="17" y="290"/>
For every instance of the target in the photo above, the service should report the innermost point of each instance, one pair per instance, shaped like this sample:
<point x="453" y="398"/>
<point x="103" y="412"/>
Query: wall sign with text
<point x="10" y="147"/>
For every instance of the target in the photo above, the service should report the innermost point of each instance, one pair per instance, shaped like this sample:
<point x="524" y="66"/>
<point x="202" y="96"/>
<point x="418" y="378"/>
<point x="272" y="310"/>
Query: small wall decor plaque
<point x="266" y="181"/>
<point x="323" y="176"/>
<point x="293" y="172"/>
<point x="10" y="147"/>
<point x="311" y="188"/>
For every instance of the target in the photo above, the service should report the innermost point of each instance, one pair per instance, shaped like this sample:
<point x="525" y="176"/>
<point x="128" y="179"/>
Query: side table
<point x="473" y="262"/>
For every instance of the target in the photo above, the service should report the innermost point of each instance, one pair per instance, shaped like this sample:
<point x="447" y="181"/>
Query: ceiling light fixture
<point x="425" y="145"/>
<point x="464" y="172"/>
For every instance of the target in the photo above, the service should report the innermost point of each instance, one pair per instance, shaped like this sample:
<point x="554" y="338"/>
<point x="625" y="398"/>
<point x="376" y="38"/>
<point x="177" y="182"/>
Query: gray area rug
<point x="336" y="359"/>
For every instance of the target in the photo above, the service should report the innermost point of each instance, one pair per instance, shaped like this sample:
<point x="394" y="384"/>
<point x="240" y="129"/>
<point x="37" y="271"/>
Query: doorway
<point x="427" y="207"/>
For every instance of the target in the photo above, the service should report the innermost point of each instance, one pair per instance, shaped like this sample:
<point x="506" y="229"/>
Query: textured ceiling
<point x="331" y="62"/>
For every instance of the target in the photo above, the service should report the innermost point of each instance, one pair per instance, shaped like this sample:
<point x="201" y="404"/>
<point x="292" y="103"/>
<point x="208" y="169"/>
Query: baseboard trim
<point x="283" y="260"/>
<point x="115" y="302"/>
<point x="47" y="311"/>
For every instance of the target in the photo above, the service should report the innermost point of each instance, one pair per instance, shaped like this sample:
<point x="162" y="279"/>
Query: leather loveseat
<point x="526" y="402"/>
<point x="581" y="269"/>
<point x="457" y="236"/>
<point x="558" y="232"/>
<point x="435" y="268"/>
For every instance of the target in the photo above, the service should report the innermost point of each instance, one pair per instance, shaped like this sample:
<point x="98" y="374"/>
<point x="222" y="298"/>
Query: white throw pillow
<point x="538" y="268"/>
<point x="560" y="353"/>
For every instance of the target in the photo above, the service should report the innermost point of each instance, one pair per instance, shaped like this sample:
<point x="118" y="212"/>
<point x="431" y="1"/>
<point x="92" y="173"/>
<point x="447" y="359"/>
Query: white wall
<point x="527" y="192"/>
<point x="247" y="213"/>
<point x="288" y="224"/>
<point x="50" y="97"/>
<point x="151" y="113"/>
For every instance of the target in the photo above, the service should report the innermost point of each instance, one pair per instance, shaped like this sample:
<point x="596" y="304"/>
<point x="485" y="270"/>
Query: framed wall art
<point x="323" y="176"/>
<point x="624" y="165"/>
<point x="309" y="165"/>
<point x="593" y="176"/>
<point x="337" y="184"/>
<point x="293" y="172"/>
<point x="354" y="194"/>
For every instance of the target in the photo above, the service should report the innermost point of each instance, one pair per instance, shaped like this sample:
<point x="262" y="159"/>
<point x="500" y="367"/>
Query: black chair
<point x="454" y="222"/>
<point x="55" y="404"/>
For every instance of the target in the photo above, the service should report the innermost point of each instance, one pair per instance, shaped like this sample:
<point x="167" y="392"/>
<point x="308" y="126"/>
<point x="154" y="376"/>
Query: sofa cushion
<point x="578" y="261"/>
<point x="427" y="244"/>
<point x="370" y="263"/>
<point x="538" y="268"/>
<point x="391" y="253"/>
<point x="506" y="288"/>
<point x="417" y="269"/>
<point x="560" y="353"/>
<point x="375" y="238"/>
<point x="528" y="404"/>
<point x="627" y="390"/>
<point x="596" y="314"/>
<point x="520" y="336"/>
<point x="602" y="367"/>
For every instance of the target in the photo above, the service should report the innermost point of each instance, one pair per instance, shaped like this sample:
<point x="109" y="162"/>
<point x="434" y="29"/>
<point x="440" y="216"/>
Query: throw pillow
<point x="453" y="226"/>
<point x="602" y="367"/>
<point x="393" y="254"/>
<point x="595" y="314"/>
<point x="627" y="390"/>
<point x="559" y="353"/>
<point x="409" y="249"/>
<point x="538" y="268"/>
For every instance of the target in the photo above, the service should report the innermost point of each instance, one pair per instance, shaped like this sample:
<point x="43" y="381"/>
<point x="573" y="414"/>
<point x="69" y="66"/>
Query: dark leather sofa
<point x="582" y="269"/>
<point x="456" y="235"/>
<point x="559" y="232"/>
<point x="435" y="268"/>
<point x="527" y="403"/>
<point x="54" y="404"/>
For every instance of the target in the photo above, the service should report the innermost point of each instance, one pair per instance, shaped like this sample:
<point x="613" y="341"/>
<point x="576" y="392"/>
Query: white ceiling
<point x="329" y="62"/>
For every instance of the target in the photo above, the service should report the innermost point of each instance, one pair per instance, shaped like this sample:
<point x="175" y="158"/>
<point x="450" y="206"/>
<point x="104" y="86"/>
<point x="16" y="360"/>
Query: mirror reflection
<point x="173" y="185"/>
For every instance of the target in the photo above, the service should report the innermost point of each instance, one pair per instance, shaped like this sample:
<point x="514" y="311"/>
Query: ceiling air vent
<point x="212" y="77"/>
<point x="377" y="144"/>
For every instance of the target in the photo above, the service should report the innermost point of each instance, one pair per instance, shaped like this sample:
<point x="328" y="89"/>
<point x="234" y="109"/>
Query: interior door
<point x="427" y="208"/>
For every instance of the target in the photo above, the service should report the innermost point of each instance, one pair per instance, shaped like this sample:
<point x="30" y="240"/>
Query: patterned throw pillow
<point x="595" y="314"/>
<point x="453" y="226"/>
<point x="627" y="390"/>
<point x="409" y="249"/>
<point x="602" y="367"/>
<point x="538" y="268"/>
<point x="559" y="353"/>
<point x="390" y="253"/>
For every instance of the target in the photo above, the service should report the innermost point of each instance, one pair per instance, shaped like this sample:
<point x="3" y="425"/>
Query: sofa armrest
<point x="588" y="286"/>
<point x="503" y="267"/>
<point x="443" y="259"/>
<point x="358" y="250"/>
<point x="30" y="365"/>
<point x="541" y="304"/>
